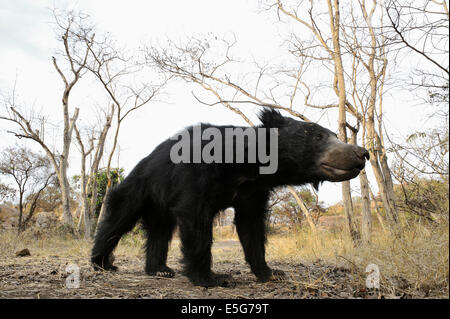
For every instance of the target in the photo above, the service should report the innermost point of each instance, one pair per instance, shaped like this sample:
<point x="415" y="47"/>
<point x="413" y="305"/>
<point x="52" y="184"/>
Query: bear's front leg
<point x="250" y="212"/>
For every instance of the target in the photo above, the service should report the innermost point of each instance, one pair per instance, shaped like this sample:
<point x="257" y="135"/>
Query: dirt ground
<point x="44" y="276"/>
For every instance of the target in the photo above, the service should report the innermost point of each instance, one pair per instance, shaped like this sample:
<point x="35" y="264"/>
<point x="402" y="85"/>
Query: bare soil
<point x="44" y="276"/>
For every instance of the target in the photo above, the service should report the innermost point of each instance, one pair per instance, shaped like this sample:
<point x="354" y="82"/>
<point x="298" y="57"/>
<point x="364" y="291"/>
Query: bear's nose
<point x="362" y="153"/>
<point x="366" y="154"/>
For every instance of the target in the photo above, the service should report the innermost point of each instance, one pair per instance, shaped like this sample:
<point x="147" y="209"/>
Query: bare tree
<point x="326" y="48"/>
<point x="31" y="174"/>
<point x="74" y="54"/>
<point x="70" y="25"/>
<point x="121" y="78"/>
<point x="365" y="40"/>
<point x="339" y="88"/>
<point x="88" y="182"/>
<point x="84" y="215"/>
<point x="362" y="87"/>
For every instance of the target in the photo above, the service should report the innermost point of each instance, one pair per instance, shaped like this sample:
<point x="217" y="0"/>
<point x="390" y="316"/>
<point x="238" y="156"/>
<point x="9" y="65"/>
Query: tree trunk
<point x="80" y="221"/>
<point x="366" y="220"/>
<point x="339" y="88"/>
<point x="64" y="182"/>
<point x="65" y="194"/>
<point x="85" y="202"/>
<point x="108" y="167"/>
<point x="92" y="180"/>
<point x="390" y="215"/>
<point x="349" y="212"/>
<point x="19" y="226"/>
<point x="375" y="204"/>
<point x="375" y="145"/>
<point x="366" y="223"/>
<point x="87" y="219"/>
<point x="388" y="181"/>
<point x="103" y="208"/>
<point x="93" y="203"/>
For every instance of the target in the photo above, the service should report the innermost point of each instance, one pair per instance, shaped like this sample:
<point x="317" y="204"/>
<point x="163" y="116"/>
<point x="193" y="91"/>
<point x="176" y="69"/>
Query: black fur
<point x="165" y="195"/>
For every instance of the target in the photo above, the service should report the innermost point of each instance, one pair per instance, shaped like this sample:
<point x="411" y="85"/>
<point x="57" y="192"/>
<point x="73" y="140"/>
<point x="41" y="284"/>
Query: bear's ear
<point x="271" y="118"/>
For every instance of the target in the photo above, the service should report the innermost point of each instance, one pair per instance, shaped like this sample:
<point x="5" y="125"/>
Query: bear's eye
<point x="319" y="137"/>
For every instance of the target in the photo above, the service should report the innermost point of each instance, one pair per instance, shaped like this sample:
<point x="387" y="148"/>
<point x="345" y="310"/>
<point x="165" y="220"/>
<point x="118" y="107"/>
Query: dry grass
<point x="414" y="265"/>
<point x="43" y="244"/>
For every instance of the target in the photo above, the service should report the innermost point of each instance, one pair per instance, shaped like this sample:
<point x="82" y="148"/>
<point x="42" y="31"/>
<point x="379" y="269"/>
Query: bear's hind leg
<point x="196" y="239"/>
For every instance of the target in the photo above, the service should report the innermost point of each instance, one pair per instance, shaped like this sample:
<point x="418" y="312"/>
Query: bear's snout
<point x="342" y="161"/>
<point x="361" y="153"/>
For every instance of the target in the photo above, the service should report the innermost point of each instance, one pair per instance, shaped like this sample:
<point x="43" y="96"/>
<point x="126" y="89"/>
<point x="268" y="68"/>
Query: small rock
<point x="23" y="253"/>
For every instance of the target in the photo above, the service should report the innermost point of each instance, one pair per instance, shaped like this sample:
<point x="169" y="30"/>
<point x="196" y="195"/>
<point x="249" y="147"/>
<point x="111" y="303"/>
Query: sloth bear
<point x="164" y="191"/>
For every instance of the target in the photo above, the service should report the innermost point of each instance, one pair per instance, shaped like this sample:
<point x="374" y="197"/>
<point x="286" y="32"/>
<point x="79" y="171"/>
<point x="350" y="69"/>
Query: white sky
<point x="27" y="43"/>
